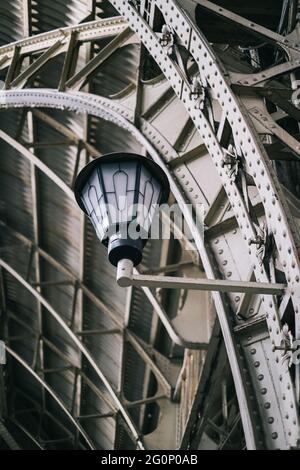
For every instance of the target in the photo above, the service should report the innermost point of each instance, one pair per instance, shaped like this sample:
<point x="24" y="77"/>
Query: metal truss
<point x="267" y="393"/>
<point x="121" y="120"/>
<point x="211" y="74"/>
<point x="27" y="434"/>
<point x="166" y="389"/>
<point x="61" y="37"/>
<point x="103" y="105"/>
<point x="51" y="392"/>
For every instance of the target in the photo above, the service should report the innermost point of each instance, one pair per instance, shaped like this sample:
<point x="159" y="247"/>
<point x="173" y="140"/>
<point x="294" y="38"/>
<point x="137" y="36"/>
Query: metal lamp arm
<point x="126" y="278"/>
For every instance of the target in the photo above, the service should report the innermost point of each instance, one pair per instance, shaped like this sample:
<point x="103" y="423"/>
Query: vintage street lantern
<point x="119" y="192"/>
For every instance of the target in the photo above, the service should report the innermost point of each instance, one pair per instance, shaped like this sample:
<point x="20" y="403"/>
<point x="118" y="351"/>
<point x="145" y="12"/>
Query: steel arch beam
<point x="211" y="71"/>
<point x="212" y="75"/>
<point x="39" y="409"/>
<point x="91" y="31"/>
<point x="107" y="110"/>
<point x="27" y="433"/>
<point x="81" y="347"/>
<point x="184" y="95"/>
<point x="68" y="191"/>
<point x="8" y="438"/>
<point x="57" y="265"/>
<point x="52" y="393"/>
<point x="99" y="304"/>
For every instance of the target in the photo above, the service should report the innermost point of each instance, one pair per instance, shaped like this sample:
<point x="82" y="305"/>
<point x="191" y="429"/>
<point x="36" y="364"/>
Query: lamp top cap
<point x="119" y="157"/>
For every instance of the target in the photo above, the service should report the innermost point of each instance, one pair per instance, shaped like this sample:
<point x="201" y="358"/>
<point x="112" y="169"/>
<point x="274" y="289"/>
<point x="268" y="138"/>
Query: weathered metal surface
<point x="217" y="153"/>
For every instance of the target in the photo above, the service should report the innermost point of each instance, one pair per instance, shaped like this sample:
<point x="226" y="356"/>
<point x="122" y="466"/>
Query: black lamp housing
<point x="110" y="188"/>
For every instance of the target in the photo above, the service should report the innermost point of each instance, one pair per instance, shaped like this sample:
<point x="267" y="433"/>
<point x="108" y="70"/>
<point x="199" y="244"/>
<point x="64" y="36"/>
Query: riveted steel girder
<point x="254" y="344"/>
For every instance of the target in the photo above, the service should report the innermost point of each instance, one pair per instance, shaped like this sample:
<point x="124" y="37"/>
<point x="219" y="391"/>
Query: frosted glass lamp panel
<point x="119" y="182"/>
<point x="149" y="195"/>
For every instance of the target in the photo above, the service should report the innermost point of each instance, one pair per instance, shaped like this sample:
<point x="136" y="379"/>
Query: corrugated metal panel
<point x="11" y="21"/>
<point x="58" y="13"/>
<point x="15" y="189"/>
